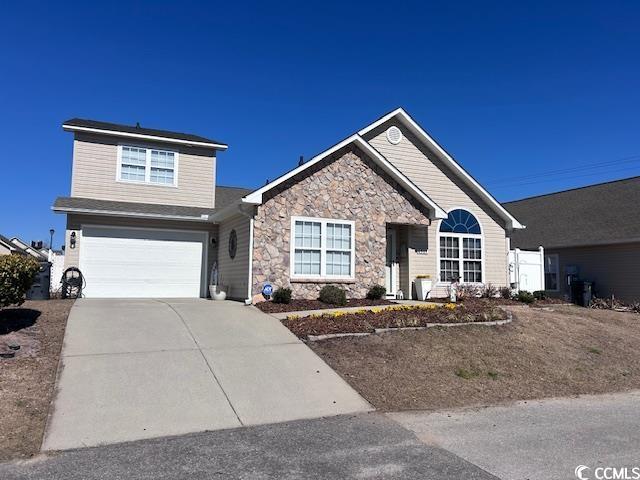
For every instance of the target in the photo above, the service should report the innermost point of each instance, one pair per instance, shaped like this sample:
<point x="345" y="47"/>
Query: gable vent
<point x="394" y="135"/>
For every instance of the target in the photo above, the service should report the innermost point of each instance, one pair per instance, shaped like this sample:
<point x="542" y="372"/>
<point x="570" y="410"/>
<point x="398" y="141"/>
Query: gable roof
<point x="256" y="196"/>
<point x="401" y="115"/>
<point x="598" y="214"/>
<point x="106" y="128"/>
<point x="11" y="246"/>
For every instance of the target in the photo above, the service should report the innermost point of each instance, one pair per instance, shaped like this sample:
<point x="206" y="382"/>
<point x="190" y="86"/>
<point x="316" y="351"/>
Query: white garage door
<point x="128" y="262"/>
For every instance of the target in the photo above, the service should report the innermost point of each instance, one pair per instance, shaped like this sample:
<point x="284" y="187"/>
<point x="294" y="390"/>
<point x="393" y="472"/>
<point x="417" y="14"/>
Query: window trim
<point x="557" y="272"/>
<point x="461" y="258"/>
<point x="323" y="249"/>
<point x="147" y="171"/>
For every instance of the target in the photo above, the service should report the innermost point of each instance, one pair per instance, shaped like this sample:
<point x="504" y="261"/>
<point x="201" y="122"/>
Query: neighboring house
<point x="27" y="249"/>
<point x="7" y="247"/>
<point x="592" y="233"/>
<point x="145" y="217"/>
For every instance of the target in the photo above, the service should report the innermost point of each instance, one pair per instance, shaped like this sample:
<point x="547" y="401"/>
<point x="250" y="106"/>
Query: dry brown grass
<point x="562" y="352"/>
<point x="27" y="381"/>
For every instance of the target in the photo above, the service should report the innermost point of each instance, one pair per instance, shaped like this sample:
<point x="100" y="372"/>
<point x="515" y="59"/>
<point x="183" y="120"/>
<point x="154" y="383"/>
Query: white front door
<point x="131" y="262"/>
<point x="390" y="264"/>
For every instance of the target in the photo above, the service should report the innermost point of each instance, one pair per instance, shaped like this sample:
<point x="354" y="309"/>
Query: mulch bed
<point x="367" y="320"/>
<point x="301" y="305"/>
<point x="502" y="301"/>
<point x="563" y="351"/>
<point x="27" y="381"/>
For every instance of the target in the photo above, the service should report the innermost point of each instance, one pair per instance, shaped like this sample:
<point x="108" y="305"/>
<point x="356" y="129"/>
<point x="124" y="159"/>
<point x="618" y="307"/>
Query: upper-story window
<point x="147" y="165"/>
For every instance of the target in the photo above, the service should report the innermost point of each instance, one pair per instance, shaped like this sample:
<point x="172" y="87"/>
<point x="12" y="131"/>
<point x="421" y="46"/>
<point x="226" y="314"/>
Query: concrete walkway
<point x="134" y="369"/>
<point x="306" y="313"/>
<point x="538" y="439"/>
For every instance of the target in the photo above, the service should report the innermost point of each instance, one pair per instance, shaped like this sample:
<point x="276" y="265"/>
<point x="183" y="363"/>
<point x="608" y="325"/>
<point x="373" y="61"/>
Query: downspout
<point x="249" y="215"/>
<point x="249" y="299"/>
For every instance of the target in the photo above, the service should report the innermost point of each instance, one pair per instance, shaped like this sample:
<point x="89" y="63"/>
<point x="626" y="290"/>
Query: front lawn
<point x="27" y="381"/>
<point x="555" y="351"/>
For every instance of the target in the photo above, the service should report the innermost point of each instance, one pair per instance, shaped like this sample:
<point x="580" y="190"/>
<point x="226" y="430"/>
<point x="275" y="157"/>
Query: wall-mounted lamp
<point x="72" y="240"/>
<point x="214" y="242"/>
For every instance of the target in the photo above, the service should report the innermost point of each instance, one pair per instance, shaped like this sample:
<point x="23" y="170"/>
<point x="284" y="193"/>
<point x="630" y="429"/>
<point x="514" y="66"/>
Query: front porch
<point x="407" y="255"/>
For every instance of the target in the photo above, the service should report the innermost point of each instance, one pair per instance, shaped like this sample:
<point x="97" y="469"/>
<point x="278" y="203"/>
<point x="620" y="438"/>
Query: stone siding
<point x="345" y="186"/>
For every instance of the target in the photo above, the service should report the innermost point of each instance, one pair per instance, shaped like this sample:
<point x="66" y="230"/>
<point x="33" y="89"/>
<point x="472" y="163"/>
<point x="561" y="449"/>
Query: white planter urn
<point x="218" y="292"/>
<point x="423" y="288"/>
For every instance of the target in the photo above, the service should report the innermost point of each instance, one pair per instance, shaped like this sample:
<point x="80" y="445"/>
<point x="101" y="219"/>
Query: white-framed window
<point x="551" y="272"/>
<point x="147" y="165"/>
<point x="460" y="248"/>
<point x="322" y="248"/>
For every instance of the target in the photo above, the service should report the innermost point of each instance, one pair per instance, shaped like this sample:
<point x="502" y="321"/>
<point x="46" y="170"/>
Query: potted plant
<point x="423" y="286"/>
<point x="216" y="289"/>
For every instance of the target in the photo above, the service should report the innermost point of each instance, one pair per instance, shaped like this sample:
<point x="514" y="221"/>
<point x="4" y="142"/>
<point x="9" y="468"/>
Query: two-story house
<point x="387" y="204"/>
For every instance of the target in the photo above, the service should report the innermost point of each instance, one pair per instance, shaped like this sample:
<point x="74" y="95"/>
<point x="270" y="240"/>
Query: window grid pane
<point x="449" y="247"/>
<point x="449" y="270"/>
<point x="471" y="248"/>
<point x="338" y="236"/>
<point x="307" y="262"/>
<point x="134" y="156"/>
<point x="132" y="172"/>
<point x="307" y="234"/>
<point x="473" y="272"/>
<point x="338" y="263"/>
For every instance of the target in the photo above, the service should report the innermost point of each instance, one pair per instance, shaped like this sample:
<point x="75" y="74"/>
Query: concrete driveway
<point x="538" y="439"/>
<point x="134" y="369"/>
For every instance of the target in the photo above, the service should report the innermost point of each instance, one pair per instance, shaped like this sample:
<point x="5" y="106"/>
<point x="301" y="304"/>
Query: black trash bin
<point x="582" y="293"/>
<point x="42" y="283"/>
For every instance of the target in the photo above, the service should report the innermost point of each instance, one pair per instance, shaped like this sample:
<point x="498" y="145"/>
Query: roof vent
<point x="394" y="135"/>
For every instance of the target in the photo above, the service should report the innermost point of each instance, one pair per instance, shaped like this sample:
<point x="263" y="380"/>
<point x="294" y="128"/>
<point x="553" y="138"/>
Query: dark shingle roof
<point x="115" y="127"/>
<point x="593" y="215"/>
<point x="224" y="197"/>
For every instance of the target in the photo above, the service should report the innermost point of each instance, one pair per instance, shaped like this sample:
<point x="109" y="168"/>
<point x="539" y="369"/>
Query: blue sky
<point x="511" y="89"/>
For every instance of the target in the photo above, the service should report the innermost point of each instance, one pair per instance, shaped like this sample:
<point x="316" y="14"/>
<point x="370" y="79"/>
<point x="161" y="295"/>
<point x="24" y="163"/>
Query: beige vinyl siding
<point x="75" y="222"/>
<point x="615" y="269"/>
<point x="4" y="250"/>
<point x="234" y="273"/>
<point x="94" y="173"/>
<point x="430" y="174"/>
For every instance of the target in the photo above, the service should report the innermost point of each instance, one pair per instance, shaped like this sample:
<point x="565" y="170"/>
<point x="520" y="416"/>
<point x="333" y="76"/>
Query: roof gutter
<point x="114" y="213"/>
<point x="116" y="133"/>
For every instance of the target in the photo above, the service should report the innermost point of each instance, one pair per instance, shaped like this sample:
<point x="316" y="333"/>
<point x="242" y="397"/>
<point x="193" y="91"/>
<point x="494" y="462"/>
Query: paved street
<point x="538" y="440"/>
<point x="364" y="446"/>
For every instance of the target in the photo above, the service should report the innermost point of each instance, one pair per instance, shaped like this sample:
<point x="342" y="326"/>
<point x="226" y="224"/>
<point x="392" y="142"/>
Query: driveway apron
<point x="143" y="368"/>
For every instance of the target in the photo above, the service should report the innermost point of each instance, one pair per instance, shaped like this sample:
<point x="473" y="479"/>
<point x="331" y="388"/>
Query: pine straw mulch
<point x="556" y="351"/>
<point x="366" y="321"/>
<point x="27" y="381"/>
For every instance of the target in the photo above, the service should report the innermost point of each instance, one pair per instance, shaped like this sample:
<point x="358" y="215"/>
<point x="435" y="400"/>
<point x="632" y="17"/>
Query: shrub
<point x="281" y="295"/>
<point x="525" y="297"/>
<point x="376" y="292"/>
<point x="333" y="295"/>
<point x="540" y="295"/>
<point x="467" y="291"/>
<point x="505" y="292"/>
<point x="489" y="291"/>
<point x="16" y="277"/>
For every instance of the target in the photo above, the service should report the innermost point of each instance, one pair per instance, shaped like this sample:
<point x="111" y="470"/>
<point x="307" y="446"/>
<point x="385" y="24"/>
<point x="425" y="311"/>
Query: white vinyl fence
<point x="526" y="269"/>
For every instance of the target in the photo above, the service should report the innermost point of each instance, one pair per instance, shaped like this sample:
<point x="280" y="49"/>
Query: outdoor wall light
<point x="72" y="240"/>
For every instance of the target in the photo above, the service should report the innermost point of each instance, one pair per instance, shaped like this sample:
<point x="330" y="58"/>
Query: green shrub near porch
<point x="17" y="274"/>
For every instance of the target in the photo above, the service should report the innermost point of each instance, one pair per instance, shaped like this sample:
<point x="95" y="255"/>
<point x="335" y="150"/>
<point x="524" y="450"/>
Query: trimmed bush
<point x="376" y="292"/>
<point x="525" y="297"/>
<point x="16" y="277"/>
<point x="333" y="295"/>
<point x="281" y="295"/>
<point x="540" y="295"/>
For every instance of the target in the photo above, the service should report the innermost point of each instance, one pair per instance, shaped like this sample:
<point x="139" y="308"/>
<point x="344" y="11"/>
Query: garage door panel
<point x="141" y="263"/>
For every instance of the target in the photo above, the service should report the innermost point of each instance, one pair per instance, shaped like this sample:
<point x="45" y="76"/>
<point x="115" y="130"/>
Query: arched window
<point x="460" y="248"/>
